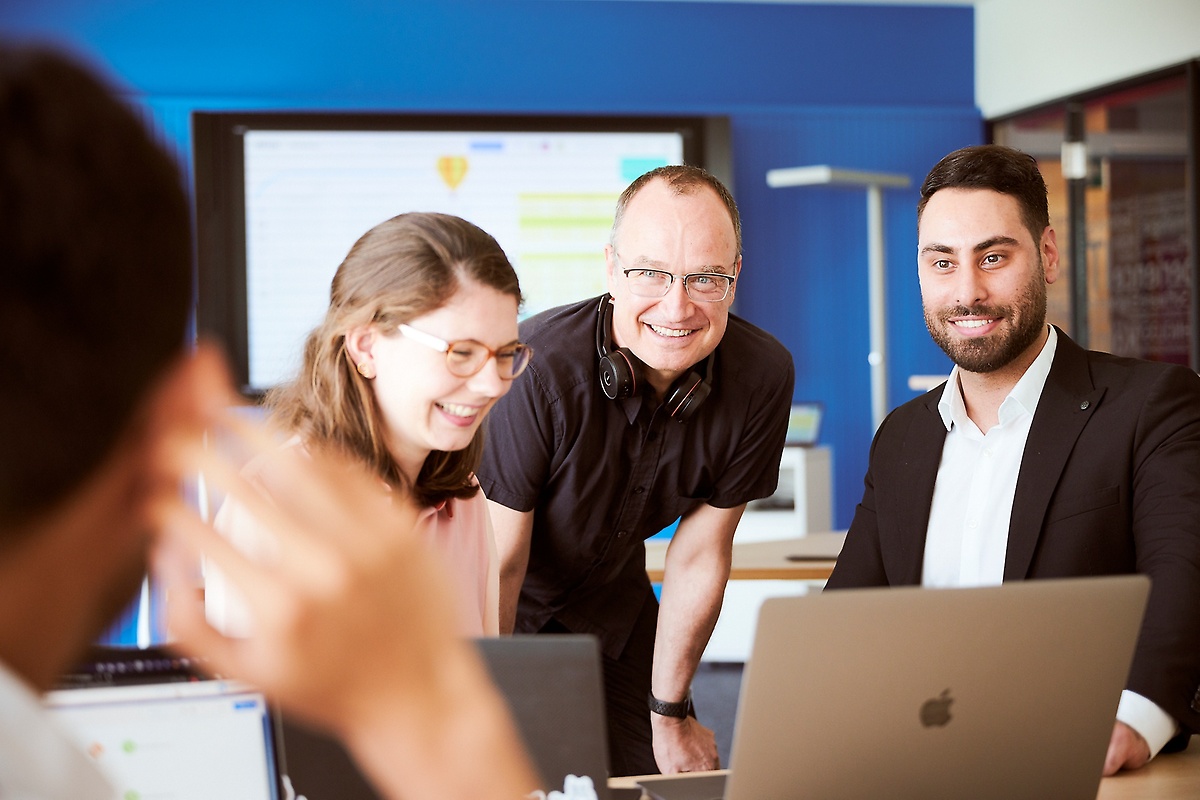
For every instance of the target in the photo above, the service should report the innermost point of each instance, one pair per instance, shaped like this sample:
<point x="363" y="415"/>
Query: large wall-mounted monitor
<point x="281" y="197"/>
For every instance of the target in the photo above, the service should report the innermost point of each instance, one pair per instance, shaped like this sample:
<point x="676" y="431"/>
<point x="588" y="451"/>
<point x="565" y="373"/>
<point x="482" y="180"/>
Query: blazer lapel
<point x="1067" y="403"/>
<point x="923" y="444"/>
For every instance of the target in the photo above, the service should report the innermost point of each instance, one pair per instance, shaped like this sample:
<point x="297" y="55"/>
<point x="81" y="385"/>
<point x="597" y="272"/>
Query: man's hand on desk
<point x="1126" y="750"/>
<point x="683" y="745"/>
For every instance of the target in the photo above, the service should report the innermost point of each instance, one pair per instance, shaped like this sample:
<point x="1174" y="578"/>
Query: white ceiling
<point x="842" y="2"/>
<point x="1029" y="52"/>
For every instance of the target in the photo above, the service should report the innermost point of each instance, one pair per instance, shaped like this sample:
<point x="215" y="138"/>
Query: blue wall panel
<point x="805" y="275"/>
<point x="521" y="54"/>
<point x="845" y="85"/>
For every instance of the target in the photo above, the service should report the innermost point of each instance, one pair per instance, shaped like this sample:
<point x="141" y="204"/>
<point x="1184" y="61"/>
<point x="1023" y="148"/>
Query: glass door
<point x="1119" y="172"/>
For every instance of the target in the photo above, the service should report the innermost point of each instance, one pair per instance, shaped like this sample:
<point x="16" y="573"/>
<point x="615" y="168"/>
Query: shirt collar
<point x="1023" y="397"/>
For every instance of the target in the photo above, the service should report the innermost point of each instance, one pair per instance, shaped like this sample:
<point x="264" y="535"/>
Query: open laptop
<point x="995" y="692"/>
<point x="160" y="728"/>
<point x="553" y="687"/>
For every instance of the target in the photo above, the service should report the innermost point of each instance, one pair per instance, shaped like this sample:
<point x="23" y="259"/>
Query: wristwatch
<point x="682" y="709"/>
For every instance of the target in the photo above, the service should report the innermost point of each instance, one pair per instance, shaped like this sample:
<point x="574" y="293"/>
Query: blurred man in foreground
<point x="102" y="413"/>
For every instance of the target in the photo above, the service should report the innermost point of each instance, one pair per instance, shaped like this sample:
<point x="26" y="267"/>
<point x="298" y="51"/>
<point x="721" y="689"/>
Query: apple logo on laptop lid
<point x="935" y="712"/>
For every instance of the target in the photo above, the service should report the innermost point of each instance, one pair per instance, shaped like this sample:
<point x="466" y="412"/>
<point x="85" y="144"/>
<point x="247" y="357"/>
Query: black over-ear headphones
<point x="618" y="371"/>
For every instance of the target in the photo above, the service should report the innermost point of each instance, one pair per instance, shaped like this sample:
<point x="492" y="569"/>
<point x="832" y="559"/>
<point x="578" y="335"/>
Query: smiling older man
<point x="649" y="404"/>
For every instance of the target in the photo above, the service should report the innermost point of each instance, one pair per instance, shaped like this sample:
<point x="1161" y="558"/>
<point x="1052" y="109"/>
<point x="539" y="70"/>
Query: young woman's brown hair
<point x="401" y="269"/>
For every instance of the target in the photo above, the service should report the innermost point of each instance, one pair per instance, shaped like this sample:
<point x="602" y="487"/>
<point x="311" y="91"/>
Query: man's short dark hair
<point x="95" y="274"/>
<point x="1001" y="169"/>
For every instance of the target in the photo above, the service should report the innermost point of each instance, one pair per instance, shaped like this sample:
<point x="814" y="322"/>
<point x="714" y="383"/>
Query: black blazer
<point x="1109" y="484"/>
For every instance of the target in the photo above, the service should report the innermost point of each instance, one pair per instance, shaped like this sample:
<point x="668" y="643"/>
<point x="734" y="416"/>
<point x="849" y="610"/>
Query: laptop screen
<point x="157" y="729"/>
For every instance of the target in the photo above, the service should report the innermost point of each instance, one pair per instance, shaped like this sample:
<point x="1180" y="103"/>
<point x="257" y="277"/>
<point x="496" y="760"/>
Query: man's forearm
<point x="695" y="571"/>
<point x="513" y="531"/>
<point x="688" y="613"/>
<point x="692" y="598"/>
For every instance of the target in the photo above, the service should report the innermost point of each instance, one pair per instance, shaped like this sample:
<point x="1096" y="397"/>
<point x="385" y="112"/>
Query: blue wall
<point x="887" y="88"/>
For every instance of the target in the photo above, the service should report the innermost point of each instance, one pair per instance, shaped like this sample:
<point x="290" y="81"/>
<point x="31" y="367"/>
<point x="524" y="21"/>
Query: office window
<point x="1123" y="204"/>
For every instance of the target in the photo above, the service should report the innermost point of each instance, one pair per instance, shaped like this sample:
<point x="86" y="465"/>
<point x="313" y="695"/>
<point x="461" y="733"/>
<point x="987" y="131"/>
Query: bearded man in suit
<point x="1037" y="458"/>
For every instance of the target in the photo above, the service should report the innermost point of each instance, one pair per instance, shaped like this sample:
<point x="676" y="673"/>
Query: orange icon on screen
<point x="452" y="169"/>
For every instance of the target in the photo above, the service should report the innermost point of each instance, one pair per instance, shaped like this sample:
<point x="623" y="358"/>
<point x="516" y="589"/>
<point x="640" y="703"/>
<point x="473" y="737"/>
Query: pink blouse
<point x="462" y="532"/>
<point x="459" y="529"/>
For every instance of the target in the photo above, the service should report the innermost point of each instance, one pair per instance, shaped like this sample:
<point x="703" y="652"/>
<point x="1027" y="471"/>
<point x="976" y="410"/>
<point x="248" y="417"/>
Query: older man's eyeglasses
<point x="467" y="357"/>
<point x="704" y="287"/>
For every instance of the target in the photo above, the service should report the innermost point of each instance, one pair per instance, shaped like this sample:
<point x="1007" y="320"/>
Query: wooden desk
<point x="768" y="560"/>
<point x="1171" y="777"/>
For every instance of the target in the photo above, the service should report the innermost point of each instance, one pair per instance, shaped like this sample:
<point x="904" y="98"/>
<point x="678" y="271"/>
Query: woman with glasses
<point x="417" y="345"/>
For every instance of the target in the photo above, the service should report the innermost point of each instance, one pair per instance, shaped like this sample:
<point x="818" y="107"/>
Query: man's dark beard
<point x="990" y="353"/>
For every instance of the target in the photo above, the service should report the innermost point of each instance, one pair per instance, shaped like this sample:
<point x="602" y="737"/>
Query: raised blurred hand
<point x="352" y="619"/>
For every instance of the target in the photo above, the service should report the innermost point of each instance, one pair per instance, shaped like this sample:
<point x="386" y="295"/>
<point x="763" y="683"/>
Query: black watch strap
<point x="682" y="709"/>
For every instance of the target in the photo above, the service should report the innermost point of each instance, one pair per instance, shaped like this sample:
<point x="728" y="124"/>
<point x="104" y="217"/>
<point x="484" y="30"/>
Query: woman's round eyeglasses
<point x="466" y="357"/>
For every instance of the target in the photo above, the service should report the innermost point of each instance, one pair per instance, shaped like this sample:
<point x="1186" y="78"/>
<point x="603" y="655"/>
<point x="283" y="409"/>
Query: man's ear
<point x="610" y="265"/>
<point x="1049" y="253"/>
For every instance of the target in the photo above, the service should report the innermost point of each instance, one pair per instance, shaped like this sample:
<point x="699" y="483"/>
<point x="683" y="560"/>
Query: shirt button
<point x="622" y="534"/>
<point x="651" y="436"/>
<point x="639" y="490"/>
<point x="987" y="451"/>
<point x="972" y="524"/>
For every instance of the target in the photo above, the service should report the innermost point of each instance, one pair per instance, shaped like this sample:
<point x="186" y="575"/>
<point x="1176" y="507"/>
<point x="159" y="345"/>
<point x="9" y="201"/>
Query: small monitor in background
<point x="159" y="727"/>
<point x="803" y="430"/>
<point x="804" y="424"/>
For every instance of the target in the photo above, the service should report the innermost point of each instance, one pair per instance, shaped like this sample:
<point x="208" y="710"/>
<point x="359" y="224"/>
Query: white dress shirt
<point x="967" y="538"/>
<point x="37" y="760"/>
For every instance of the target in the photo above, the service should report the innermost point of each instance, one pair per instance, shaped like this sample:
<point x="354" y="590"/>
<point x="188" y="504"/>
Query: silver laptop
<point x="998" y="692"/>
<point x="161" y="729"/>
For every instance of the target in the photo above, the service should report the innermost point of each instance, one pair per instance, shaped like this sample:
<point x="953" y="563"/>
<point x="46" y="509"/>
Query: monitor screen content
<point x="304" y="187"/>
<point x="184" y="741"/>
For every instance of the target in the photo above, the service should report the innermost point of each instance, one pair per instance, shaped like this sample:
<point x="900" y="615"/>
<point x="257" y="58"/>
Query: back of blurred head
<point x="95" y="276"/>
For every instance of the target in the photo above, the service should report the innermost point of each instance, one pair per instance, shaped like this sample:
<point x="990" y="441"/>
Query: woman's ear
<point x="359" y="344"/>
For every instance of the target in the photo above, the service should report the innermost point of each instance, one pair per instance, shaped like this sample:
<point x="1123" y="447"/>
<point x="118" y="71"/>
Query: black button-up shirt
<point x="604" y="475"/>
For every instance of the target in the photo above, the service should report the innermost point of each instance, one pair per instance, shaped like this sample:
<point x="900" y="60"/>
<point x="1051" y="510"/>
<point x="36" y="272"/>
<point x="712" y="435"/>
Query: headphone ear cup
<point x="617" y="376"/>
<point x="687" y="395"/>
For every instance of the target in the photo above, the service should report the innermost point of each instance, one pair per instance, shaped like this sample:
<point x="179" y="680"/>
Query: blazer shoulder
<point x="1121" y="374"/>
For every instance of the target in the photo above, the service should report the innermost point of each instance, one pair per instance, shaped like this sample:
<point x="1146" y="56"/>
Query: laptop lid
<point x="159" y="727"/>
<point x="992" y="692"/>
<point x="554" y="689"/>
